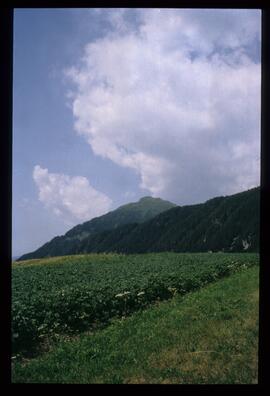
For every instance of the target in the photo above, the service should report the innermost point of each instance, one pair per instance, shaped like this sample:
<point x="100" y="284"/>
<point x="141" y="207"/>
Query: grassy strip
<point x="208" y="336"/>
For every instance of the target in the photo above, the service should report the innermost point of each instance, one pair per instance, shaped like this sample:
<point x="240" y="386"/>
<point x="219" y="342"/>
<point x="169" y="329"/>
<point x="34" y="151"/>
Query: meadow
<point x="73" y="294"/>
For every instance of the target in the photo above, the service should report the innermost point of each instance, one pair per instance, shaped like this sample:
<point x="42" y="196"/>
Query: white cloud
<point x="72" y="198"/>
<point x="177" y="100"/>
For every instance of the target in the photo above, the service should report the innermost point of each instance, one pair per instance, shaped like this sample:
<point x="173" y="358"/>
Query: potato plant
<point x="70" y="294"/>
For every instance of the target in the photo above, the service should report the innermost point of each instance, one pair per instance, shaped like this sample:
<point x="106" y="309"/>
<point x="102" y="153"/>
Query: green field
<point x="208" y="336"/>
<point x="71" y="294"/>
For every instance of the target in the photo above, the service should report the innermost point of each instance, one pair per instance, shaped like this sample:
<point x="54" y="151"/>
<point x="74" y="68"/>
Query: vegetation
<point x="229" y="224"/>
<point x="71" y="294"/>
<point x="209" y="336"/>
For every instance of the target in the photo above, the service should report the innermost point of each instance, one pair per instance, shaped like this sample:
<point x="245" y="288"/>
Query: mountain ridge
<point x="224" y="223"/>
<point x="133" y="212"/>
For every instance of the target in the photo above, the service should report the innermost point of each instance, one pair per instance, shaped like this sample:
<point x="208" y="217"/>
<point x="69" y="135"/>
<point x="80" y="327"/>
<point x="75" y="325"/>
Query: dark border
<point x="135" y="3"/>
<point x="6" y="63"/>
<point x="6" y="74"/>
<point x="264" y="325"/>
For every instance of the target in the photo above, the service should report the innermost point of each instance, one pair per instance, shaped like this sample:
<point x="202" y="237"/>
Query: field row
<point x="67" y="295"/>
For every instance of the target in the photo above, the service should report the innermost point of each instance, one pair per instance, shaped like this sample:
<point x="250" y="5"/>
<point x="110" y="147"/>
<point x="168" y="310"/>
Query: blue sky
<point x="113" y="105"/>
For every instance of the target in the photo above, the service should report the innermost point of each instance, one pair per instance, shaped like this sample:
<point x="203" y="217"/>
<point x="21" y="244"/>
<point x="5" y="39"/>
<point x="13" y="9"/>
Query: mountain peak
<point x="154" y="200"/>
<point x="147" y="198"/>
<point x="135" y="212"/>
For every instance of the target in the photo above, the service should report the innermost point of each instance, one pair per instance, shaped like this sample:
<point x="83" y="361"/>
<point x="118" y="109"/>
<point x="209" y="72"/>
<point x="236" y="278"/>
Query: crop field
<point x="209" y="336"/>
<point x="71" y="294"/>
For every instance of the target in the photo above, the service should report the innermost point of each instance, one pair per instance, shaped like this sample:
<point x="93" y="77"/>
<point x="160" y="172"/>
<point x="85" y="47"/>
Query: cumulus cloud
<point x="176" y="98"/>
<point x="72" y="198"/>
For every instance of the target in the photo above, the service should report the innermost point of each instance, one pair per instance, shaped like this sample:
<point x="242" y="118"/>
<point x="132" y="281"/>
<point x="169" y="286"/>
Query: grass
<point x="209" y="336"/>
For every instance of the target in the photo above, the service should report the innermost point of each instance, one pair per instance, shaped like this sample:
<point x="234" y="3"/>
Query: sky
<point x="110" y="105"/>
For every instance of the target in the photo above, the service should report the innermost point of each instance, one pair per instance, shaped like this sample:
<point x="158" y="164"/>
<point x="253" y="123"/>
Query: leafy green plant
<point x="70" y="294"/>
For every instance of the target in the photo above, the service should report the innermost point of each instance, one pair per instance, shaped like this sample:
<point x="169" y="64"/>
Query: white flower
<point x="141" y="293"/>
<point x="122" y="294"/>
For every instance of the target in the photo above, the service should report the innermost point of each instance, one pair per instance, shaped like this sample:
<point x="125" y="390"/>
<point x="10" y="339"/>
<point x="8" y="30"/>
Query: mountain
<point x="136" y="212"/>
<point x="229" y="224"/>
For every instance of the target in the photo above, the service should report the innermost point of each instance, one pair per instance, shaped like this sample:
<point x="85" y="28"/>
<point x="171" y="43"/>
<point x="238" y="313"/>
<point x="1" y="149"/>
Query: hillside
<point x="137" y="212"/>
<point x="229" y="224"/>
